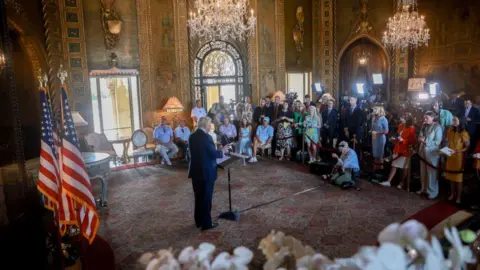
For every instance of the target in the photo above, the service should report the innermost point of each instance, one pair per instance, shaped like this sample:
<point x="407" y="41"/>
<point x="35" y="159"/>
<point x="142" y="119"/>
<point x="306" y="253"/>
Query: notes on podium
<point x="223" y="159"/>
<point x="229" y="159"/>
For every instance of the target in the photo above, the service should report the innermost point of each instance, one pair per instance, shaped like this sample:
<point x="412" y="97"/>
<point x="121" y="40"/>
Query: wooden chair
<point x="139" y="142"/>
<point x="100" y="144"/>
<point x="150" y="141"/>
<point x="268" y="149"/>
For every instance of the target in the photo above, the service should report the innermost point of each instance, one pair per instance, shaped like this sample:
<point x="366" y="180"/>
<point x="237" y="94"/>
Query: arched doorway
<point x="360" y="60"/>
<point x="219" y="71"/>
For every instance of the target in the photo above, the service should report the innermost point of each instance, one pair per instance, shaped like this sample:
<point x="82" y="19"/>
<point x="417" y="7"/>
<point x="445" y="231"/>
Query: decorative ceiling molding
<point x="363" y="24"/>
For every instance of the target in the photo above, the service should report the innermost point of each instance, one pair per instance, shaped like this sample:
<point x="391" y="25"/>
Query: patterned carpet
<point x="152" y="208"/>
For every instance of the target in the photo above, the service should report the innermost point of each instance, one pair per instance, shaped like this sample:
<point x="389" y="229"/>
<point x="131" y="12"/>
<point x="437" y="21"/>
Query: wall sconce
<point x="111" y="24"/>
<point x="3" y="61"/>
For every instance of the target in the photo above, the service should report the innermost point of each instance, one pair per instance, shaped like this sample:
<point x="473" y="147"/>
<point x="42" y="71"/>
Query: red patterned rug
<point x="151" y="208"/>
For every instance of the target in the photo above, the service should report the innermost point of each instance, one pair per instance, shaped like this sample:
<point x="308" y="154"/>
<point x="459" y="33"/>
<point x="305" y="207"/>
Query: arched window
<point x="218" y="71"/>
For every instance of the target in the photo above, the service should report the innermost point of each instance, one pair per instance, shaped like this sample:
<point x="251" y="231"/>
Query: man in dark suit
<point x="329" y="119"/>
<point x="457" y="106"/>
<point x="354" y="120"/>
<point x="203" y="171"/>
<point x="308" y="102"/>
<point x="471" y="118"/>
<point x="268" y="107"/>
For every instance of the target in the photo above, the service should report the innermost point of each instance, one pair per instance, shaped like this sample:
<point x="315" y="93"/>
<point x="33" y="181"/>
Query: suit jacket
<point x="472" y="124"/>
<point x="269" y="111"/>
<point x="330" y="119"/>
<point x="276" y="108"/>
<point x="258" y="112"/>
<point x="354" y="121"/>
<point x="458" y="107"/>
<point x="203" y="161"/>
<point x="409" y="137"/>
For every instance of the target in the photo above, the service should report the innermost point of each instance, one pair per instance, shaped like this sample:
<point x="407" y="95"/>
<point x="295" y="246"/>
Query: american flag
<point x="49" y="181"/>
<point x="74" y="175"/>
<point x="48" y="174"/>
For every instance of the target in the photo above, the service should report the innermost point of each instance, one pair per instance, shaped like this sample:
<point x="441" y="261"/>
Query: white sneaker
<point x="385" y="184"/>
<point x="253" y="160"/>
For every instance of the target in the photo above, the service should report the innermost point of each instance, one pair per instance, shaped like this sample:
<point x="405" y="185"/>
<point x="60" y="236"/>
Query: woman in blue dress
<point x="379" y="135"/>
<point x="245" y="140"/>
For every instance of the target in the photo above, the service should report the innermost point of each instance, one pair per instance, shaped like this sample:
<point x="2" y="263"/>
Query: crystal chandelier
<point x="222" y="20"/>
<point x="363" y="58"/>
<point x="406" y="28"/>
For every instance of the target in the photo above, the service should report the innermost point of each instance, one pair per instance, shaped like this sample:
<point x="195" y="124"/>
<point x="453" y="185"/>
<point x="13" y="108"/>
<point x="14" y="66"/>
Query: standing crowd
<point x="291" y="129"/>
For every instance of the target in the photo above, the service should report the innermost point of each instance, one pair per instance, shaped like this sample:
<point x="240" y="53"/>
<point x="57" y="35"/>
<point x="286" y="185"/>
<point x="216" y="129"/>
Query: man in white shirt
<point x="163" y="136"/>
<point x="182" y="133"/>
<point x="228" y="132"/>
<point x="197" y="112"/>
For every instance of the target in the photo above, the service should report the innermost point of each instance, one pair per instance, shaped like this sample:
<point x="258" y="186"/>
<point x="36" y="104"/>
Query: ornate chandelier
<point x="363" y="58"/>
<point x="221" y="19"/>
<point x="406" y="28"/>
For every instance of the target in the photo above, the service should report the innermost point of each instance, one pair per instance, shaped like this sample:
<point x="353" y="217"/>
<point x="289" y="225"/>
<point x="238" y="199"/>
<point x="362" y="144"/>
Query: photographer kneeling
<point x="347" y="167"/>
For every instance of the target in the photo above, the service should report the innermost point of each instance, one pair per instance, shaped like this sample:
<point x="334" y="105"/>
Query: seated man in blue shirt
<point x="163" y="136"/>
<point x="182" y="133"/>
<point x="228" y="132"/>
<point x="347" y="166"/>
<point x="263" y="138"/>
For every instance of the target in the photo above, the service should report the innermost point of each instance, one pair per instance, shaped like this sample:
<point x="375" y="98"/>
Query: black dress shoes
<point x="214" y="225"/>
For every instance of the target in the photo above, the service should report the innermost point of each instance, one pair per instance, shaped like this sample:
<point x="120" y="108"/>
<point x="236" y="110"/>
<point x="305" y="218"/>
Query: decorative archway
<point x="218" y="64"/>
<point x="375" y="41"/>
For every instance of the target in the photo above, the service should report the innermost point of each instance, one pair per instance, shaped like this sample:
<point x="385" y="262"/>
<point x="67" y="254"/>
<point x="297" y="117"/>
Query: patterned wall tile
<point x="74" y="47"/>
<point x="72" y="17"/>
<point x="71" y="3"/>
<point x="77" y="77"/>
<point x="76" y="62"/>
<point x="73" y="32"/>
<point x="79" y="90"/>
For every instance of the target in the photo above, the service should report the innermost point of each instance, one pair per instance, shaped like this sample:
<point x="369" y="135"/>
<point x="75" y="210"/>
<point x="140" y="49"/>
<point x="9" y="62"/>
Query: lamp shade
<point x="78" y="119"/>
<point x="173" y="105"/>
<point x="279" y="94"/>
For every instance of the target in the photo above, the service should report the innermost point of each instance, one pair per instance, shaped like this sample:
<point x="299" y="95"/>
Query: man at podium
<point x="203" y="171"/>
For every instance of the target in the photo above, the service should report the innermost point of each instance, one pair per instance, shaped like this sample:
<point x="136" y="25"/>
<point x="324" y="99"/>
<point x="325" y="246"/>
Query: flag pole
<point x="62" y="75"/>
<point x="43" y="84"/>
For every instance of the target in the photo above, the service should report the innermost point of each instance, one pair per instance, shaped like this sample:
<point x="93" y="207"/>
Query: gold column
<point x="280" y="44"/>
<point x="326" y="44"/>
<point x="253" y="58"/>
<point x="145" y="53"/>
<point x="73" y="36"/>
<point x="181" y="50"/>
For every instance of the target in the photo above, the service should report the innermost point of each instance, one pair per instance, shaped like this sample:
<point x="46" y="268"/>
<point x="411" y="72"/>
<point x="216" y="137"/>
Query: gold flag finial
<point x="62" y="74"/>
<point x="42" y="78"/>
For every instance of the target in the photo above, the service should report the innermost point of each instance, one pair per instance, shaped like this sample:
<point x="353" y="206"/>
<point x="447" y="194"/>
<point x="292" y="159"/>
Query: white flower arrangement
<point x="286" y="252"/>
